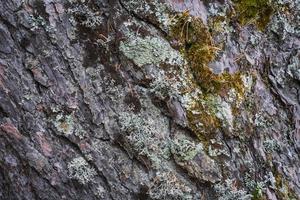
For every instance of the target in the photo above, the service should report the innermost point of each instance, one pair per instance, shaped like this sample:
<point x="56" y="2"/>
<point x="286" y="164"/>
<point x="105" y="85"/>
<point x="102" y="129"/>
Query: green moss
<point x="257" y="12"/>
<point x="202" y="119"/>
<point x="283" y="191"/>
<point x="257" y="194"/>
<point x="195" y="42"/>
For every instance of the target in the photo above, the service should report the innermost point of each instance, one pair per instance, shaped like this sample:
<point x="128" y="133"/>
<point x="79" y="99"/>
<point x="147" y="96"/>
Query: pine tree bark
<point x="99" y="99"/>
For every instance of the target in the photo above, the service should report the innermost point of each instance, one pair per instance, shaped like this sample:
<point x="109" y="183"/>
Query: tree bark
<point x="140" y="99"/>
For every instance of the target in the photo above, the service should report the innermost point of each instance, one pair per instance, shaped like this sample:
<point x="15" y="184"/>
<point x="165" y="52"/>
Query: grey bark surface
<point x="91" y="104"/>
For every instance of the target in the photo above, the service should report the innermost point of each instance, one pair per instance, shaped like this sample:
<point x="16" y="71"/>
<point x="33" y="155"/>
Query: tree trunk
<point x="149" y="99"/>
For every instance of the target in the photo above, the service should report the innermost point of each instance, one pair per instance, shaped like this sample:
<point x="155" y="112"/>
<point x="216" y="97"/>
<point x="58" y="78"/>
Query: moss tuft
<point x="258" y="12"/>
<point x="202" y="120"/>
<point x="195" y="42"/>
<point x="283" y="190"/>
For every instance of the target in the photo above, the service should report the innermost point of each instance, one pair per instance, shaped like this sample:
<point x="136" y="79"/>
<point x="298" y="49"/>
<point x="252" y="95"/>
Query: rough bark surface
<point x="141" y="99"/>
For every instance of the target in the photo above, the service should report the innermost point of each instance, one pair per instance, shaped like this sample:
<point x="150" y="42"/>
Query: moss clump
<point x="202" y="119"/>
<point x="258" y="12"/>
<point x="283" y="190"/>
<point x="209" y="113"/>
<point x="191" y="36"/>
<point x="196" y="44"/>
<point x="257" y="194"/>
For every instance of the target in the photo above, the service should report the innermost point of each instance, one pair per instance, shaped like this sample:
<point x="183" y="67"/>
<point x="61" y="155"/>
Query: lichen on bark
<point x="149" y="99"/>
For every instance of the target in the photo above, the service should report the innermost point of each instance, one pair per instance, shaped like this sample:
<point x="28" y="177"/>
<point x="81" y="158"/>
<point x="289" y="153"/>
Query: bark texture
<point x="149" y="99"/>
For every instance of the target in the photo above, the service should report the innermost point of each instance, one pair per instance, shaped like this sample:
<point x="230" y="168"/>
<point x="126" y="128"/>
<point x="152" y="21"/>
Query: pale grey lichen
<point x="224" y="113"/>
<point x="64" y="124"/>
<point x="163" y="87"/>
<point x="228" y="191"/>
<point x="37" y="22"/>
<point x="261" y="120"/>
<point x="217" y="152"/>
<point x="221" y="109"/>
<point x="80" y="170"/>
<point x="248" y="82"/>
<point x="271" y="145"/>
<point x="153" y="9"/>
<point x="271" y="180"/>
<point x="166" y="185"/>
<point x="150" y="50"/>
<point x="67" y="125"/>
<point x="80" y="132"/>
<point x="143" y="135"/>
<point x="100" y="192"/>
<point x="283" y="26"/>
<point x="217" y="9"/>
<point x="256" y="187"/>
<point x="293" y="69"/>
<point x="88" y="17"/>
<point x="162" y="16"/>
<point x="184" y="149"/>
